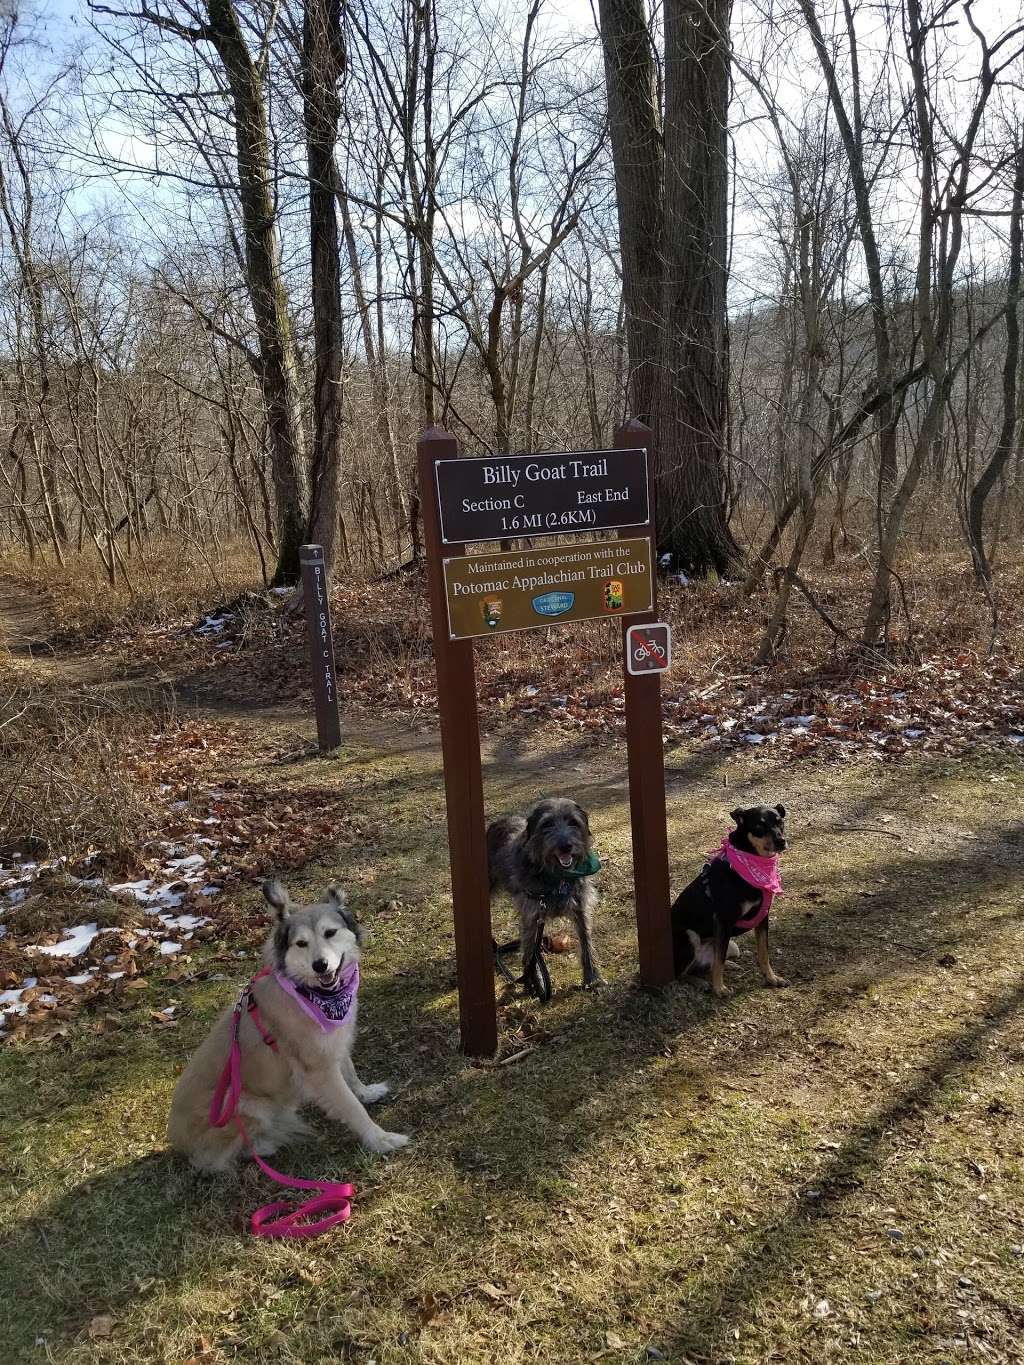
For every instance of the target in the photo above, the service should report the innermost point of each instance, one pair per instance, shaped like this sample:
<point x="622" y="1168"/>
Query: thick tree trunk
<point x="691" y="420"/>
<point x="323" y="62"/>
<point x="1011" y="364"/>
<point x="278" y="374"/>
<point x="639" y="155"/>
<point x="671" y="192"/>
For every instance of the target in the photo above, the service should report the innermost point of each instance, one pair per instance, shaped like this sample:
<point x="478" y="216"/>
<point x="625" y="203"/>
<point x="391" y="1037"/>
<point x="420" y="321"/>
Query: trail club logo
<point x="612" y="597"/>
<point x="553" y="603"/>
<point x="491" y="608"/>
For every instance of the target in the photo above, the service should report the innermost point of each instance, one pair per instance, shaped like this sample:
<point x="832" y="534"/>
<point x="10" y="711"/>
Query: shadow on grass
<point x="779" y="1242"/>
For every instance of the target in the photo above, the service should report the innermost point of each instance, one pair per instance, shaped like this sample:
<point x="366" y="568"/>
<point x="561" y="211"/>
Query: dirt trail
<point x="22" y="621"/>
<point x="24" y="633"/>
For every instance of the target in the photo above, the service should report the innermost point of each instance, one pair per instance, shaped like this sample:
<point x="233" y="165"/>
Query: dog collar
<point x="756" y="871"/>
<point x="557" y="885"/>
<point x="330" y="1009"/>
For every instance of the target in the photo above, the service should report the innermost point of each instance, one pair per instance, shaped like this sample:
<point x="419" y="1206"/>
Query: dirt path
<point x="25" y="632"/>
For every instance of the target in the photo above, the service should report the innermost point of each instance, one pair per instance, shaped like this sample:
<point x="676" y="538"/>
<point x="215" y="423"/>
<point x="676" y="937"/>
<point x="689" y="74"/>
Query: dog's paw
<point x="722" y="993"/>
<point x="776" y="983"/>
<point x="595" y="983"/>
<point x="370" y="1094"/>
<point x="382" y="1142"/>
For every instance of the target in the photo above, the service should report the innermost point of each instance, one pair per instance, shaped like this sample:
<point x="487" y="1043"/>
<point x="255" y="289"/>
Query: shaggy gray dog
<point x="546" y="862"/>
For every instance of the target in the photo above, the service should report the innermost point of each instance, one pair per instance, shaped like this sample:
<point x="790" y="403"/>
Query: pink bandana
<point x="330" y="1008"/>
<point x="762" y="873"/>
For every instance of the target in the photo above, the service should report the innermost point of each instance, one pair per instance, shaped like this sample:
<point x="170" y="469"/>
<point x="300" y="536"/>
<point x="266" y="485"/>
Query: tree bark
<point x="691" y="419"/>
<point x="323" y="63"/>
<point x="671" y="193"/>
<point x="638" y="152"/>
<point x="1011" y="364"/>
<point x="278" y="370"/>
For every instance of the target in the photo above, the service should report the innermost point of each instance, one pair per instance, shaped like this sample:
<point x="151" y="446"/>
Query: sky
<point x="792" y="73"/>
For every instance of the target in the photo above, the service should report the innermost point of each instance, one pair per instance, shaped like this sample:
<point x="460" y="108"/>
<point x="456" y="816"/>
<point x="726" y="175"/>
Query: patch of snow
<point x="167" y="947"/>
<point x="80" y="979"/>
<point x="189" y="922"/>
<point x="80" y="936"/>
<point x="753" y="738"/>
<point x="210" y="891"/>
<point x="912" y="734"/>
<point x="141" y="890"/>
<point x="114" y="976"/>
<point x="192" y="861"/>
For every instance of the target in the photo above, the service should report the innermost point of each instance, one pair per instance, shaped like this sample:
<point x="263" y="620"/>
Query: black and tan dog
<point x="732" y="894"/>
<point x="545" y="860"/>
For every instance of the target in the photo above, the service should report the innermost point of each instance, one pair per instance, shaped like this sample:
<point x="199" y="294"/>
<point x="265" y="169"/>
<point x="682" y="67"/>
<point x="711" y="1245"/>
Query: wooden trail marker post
<point x="646" y="757"/>
<point x="512" y="496"/>
<point x="321" y="646"/>
<point x="463" y="781"/>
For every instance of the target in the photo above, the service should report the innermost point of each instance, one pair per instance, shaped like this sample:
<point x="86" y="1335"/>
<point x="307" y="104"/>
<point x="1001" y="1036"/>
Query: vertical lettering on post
<point x="321" y="646"/>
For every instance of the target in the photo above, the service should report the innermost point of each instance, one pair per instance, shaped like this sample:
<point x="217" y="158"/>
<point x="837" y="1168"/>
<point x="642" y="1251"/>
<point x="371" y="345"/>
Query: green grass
<point x="714" y="1181"/>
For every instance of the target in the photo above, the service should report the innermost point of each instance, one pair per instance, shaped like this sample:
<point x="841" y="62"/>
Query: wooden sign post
<point x="463" y="781"/>
<point x="646" y="758"/>
<point x="321" y="646"/>
<point x="470" y="596"/>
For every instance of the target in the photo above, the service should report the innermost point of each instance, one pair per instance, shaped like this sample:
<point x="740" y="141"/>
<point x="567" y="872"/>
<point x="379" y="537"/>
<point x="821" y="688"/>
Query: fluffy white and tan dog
<point x="306" y="1004"/>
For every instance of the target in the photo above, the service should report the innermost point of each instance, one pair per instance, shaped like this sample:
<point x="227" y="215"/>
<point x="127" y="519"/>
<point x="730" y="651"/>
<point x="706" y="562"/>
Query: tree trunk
<point x="639" y="156"/>
<point x="671" y="192"/>
<point x="1011" y="364"/>
<point x="323" y="62"/>
<point x="278" y="370"/>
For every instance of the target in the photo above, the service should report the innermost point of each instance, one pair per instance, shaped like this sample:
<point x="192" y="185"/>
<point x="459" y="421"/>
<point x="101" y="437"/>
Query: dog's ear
<point x="736" y="816"/>
<point x="583" y="816"/>
<point x="782" y="810"/>
<point x="534" y="818"/>
<point x="277" y="897"/>
<point x="337" y="898"/>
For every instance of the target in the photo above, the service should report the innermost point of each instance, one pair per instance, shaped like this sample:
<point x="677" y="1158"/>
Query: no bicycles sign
<point x="649" y="648"/>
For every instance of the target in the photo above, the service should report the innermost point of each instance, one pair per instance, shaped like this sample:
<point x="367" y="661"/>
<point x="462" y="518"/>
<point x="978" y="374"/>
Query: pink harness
<point x="762" y="873"/>
<point x="335" y="1197"/>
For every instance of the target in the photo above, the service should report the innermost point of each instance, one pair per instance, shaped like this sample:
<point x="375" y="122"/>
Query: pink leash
<point x="335" y="1197"/>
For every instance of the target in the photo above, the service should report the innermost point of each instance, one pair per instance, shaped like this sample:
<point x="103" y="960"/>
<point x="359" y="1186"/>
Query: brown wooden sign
<point x="460" y="742"/>
<point x="526" y="589"/>
<point x="321" y="646"/>
<point x="535" y="495"/>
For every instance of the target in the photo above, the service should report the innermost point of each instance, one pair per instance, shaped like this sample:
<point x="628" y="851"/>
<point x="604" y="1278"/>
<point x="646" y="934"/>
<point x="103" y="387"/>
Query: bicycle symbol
<point x="649" y="649"/>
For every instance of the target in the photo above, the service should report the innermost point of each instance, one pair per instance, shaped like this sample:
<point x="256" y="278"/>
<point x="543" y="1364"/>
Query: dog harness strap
<point x="279" y="1219"/>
